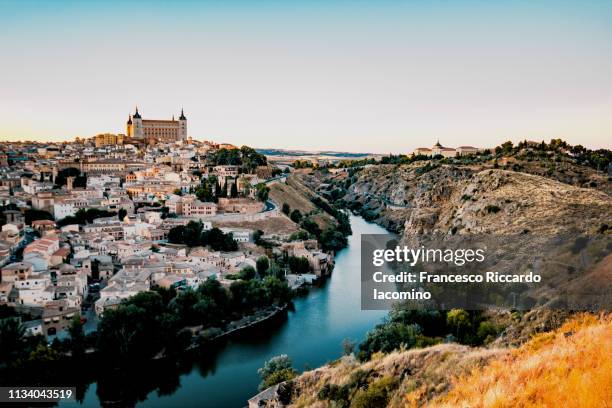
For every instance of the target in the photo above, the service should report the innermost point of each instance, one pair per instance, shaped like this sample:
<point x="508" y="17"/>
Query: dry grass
<point x="271" y="225"/>
<point x="298" y="196"/>
<point x="569" y="367"/>
<point x="282" y="193"/>
<point x="430" y="369"/>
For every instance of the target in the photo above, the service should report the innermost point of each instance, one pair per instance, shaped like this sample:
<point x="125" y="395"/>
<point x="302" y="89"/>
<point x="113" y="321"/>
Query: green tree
<point x="204" y="192"/>
<point x="262" y="192"/>
<point x="286" y="209"/>
<point x="263" y="263"/>
<point x="298" y="265"/>
<point x="34" y="215"/>
<point x="257" y="236"/>
<point x="132" y="330"/>
<point x="11" y="336"/>
<point x="193" y="233"/>
<point x="277" y="290"/>
<point x="183" y="307"/>
<point x="77" y="336"/>
<point x="296" y="216"/>
<point x="247" y="273"/>
<point x="121" y="214"/>
<point x="311" y="226"/>
<point x="332" y="240"/>
<point x="234" y="188"/>
<point x="459" y="319"/>
<point x="387" y="337"/>
<point x="212" y="289"/>
<point x="276" y="370"/>
<point x="176" y="235"/>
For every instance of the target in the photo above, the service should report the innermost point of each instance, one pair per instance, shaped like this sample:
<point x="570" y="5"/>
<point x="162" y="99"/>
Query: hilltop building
<point x="438" y="149"/>
<point x="153" y="131"/>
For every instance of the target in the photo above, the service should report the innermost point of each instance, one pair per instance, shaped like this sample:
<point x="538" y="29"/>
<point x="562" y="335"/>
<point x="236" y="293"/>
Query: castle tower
<point x="129" y="127"/>
<point x="182" y="126"/>
<point x="134" y="126"/>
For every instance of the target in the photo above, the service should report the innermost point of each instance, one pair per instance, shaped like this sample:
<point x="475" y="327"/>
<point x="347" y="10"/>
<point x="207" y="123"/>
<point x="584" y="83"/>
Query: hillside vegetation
<point x="569" y="367"/>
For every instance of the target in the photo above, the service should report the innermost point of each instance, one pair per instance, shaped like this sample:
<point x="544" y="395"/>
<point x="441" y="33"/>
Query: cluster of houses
<point x="54" y="268"/>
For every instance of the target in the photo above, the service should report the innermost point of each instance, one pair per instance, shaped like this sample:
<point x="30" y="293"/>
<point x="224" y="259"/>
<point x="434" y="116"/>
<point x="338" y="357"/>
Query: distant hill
<point x="283" y="152"/>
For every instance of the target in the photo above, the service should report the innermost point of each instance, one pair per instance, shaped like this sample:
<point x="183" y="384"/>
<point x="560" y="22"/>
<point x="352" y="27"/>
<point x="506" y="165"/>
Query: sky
<point x="361" y="76"/>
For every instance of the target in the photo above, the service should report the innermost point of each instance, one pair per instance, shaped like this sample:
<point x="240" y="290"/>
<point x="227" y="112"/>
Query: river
<point x="226" y="375"/>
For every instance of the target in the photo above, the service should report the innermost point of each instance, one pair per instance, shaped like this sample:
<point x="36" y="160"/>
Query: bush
<point x="298" y="265"/>
<point x="263" y="263"/>
<point x="286" y="209"/>
<point x="486" y="331"/>
<point x="296" y="216"/>
<point x="276" y="370"/>
<point x="376" y="395"/>
<point x="492" y="209"/>
<point x="336" y="393"/>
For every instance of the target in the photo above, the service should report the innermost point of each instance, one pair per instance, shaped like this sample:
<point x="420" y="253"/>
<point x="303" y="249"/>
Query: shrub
<point x="286" y="209"/>
<point x="376" y="395"/>
<point x="276" y="370"/>
<point x="296" y="216"/>
<point x="492" y="209"/>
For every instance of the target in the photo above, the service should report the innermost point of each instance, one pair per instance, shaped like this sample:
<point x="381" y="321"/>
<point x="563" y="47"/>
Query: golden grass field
<point x="569" y="367"/>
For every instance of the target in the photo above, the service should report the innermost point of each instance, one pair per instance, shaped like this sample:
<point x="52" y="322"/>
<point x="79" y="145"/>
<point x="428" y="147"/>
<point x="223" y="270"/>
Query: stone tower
<point x="134" y="126"/>
<point x="182" y="126"/>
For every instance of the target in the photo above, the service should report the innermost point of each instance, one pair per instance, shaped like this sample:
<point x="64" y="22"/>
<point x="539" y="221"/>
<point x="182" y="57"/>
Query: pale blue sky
<point x="378" y="76"/>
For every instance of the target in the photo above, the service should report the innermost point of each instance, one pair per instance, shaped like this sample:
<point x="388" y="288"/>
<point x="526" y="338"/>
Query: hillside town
<point x="89" y="224"/>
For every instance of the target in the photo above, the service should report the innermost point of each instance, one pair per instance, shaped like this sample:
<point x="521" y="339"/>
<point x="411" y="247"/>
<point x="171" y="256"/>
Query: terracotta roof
<point x="63" y="252"/>
<point x="42" y="222"/>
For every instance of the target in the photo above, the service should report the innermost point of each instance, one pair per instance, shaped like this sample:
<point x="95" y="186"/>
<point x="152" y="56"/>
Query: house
<point x="45" y="246"/>
<point x="39" y="261"/>
<point x="60" y="256"/>
<point x="190" y="206"/>
<point x="57" y="316"/>
<point x="5" y="291"/>
<point x="239" y="235"/>
<point x="16" y="271"/>
<point x="35" y="297"/>
<point x="43" y="226"/>
<point x="240" y="205"/>
<point x="33" y="328"/>
<point x="123" y="285"/>
<point x="225" y="171"/>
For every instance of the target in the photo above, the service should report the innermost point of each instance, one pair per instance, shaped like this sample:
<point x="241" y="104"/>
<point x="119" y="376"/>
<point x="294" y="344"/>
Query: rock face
<point x="530" y="217"/>
<point x="424" y="199"/>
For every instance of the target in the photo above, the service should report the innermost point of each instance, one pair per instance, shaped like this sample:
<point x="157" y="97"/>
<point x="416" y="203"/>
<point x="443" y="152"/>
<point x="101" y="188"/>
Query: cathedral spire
<point x="137" y="115"/>
<point x="182" y="117"/>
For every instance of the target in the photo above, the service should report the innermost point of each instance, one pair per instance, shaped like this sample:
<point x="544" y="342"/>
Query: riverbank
<point x="199" y="335"/>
